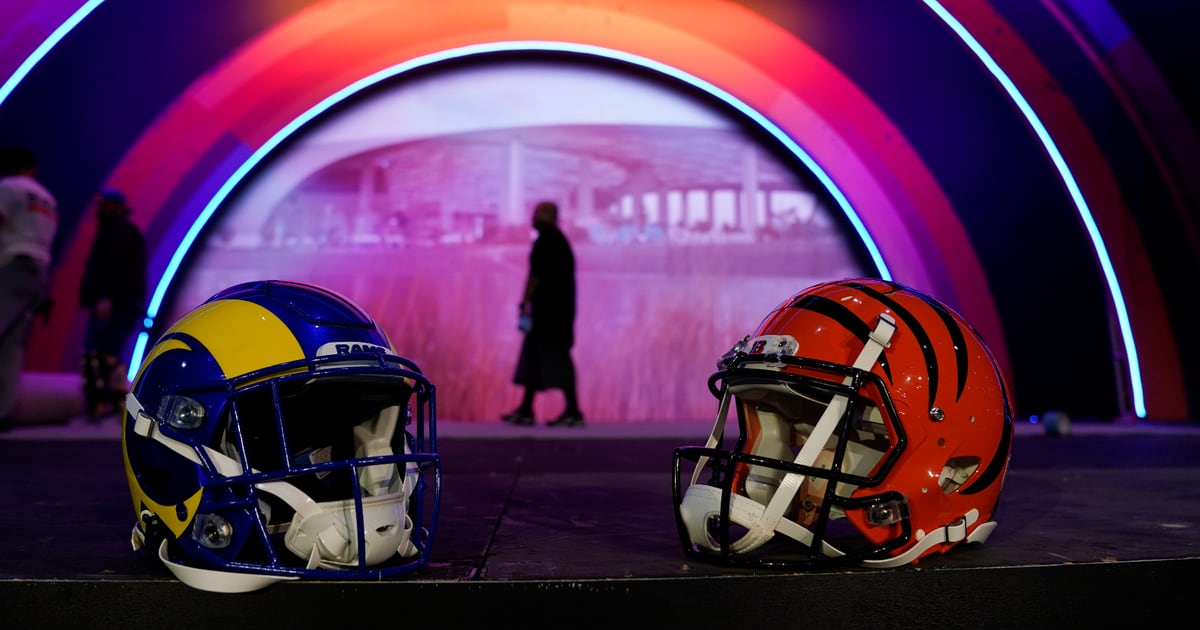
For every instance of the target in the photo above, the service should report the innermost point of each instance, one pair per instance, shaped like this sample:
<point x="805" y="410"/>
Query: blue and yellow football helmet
<point x="273" y="433"/>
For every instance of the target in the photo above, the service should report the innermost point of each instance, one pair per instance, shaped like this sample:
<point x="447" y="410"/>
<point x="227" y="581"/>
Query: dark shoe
<point x="567" y="419"/>
<point x="518" y="417"/>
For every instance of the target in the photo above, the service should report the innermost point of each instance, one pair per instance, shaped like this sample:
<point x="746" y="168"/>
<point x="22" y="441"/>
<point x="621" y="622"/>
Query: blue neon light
<point x="185" y="244"/>
<point x="1085" y="213"/>
<point x="38" y="53"/>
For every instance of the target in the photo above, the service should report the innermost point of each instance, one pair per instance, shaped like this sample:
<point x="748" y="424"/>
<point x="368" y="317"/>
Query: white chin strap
<point x="701" y="502"/>
<point x="951" y="532"/>
<point x="323" y="534"/>
<point x="218" y="581"/>
<point x="326" y="537"/>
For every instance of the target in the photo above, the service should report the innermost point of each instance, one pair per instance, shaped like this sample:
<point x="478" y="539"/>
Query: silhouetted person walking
<point x="28" y="220"/>
<point x="113" y="290"/>
<point x="547" y="317"/>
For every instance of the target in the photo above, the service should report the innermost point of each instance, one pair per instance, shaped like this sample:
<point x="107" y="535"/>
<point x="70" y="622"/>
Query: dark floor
<point x="575" y="527"/>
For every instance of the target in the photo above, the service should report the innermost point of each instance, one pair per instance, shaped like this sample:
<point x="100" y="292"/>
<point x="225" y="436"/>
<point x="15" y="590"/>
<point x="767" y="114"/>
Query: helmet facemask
<point x="807" y="448"/>
<point x="316" y="501"/>
<point x="811" y="434"/>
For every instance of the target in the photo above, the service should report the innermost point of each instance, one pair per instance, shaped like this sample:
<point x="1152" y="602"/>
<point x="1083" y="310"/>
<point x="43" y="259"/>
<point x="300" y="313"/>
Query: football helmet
<point x="874" y="426"/>
<point x="273" y="433"/>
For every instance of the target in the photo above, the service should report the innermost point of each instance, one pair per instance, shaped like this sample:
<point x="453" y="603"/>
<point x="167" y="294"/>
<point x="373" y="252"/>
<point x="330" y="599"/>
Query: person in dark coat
<point x="547" y="317"/>
<point x="113" y="290"/>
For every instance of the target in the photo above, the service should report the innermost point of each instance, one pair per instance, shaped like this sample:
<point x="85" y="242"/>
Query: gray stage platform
<point x="575" y="528"/>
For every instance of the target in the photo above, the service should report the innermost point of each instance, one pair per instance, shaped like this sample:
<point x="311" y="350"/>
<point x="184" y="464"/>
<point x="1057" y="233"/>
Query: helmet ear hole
<point x="956" y="471"/>
<point x="152" y="528"/>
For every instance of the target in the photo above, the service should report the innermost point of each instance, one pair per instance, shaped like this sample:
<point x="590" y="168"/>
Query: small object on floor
<point x="567" y="420"/>
<point x="518" y="417"/>
<point x="1057" y="423"/>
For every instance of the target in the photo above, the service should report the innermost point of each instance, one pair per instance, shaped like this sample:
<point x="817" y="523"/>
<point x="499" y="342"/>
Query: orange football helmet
<point x="874" y="425"/>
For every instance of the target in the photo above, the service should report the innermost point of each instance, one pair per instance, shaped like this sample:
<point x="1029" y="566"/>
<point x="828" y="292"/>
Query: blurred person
<point x="113" y="290"/>
<point x="547" y="317"/>
<point x="28" y="221"/>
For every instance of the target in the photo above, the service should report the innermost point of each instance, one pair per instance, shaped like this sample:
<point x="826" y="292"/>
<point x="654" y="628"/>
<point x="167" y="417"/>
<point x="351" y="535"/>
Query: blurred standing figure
<point x="113" y="290"/>
<point x="28" y="220"/>
<point x="547" y="317"/>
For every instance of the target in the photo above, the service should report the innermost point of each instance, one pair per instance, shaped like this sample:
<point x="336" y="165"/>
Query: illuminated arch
<point x="40" y="13"/>
<point x="1081" y="205"/>
<point x="291" y="70"/>
<point x="180" y="163"/>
